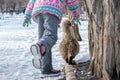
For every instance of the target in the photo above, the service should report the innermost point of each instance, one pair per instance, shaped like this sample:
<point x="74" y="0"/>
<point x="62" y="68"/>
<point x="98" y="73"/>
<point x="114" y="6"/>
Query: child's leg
<point x="47" y="62"/>
<point x="40" y="26"/>
<point x="48" y="39"/>
<point x="35" y="48"/>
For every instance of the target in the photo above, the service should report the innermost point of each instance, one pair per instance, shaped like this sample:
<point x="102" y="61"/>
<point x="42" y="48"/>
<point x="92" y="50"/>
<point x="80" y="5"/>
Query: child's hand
<point x="26" y="22"/>
<point x="75" y="19"/>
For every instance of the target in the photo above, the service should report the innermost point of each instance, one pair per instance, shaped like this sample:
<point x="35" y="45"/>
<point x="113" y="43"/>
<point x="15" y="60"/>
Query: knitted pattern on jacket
<point x="35" y="7"/>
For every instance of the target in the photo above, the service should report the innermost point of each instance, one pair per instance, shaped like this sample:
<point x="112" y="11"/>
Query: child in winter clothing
<point x="47" y="14"/>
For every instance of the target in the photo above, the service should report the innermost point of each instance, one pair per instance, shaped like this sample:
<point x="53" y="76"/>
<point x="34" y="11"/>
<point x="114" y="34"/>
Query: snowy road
<point x="15" y="56"/>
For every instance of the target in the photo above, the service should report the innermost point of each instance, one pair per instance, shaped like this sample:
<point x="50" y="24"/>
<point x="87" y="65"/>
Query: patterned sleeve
<point x="29" y="8"/>
<point x="73" y="6"/>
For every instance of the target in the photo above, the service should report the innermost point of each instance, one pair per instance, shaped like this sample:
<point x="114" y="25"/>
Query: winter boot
<point x="37" y="51"/>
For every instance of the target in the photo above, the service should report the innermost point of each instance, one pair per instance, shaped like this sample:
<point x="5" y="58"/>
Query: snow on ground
<point x="15" y="56"/>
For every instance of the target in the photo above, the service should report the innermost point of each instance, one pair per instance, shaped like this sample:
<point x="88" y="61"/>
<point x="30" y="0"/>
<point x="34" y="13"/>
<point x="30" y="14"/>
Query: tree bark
<point x="69" y="71"/>
<point x="104" y="38"/>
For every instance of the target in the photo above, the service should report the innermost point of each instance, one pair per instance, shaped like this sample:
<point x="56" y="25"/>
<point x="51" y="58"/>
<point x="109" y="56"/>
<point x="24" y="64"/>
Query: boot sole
<point x="51" y="75"/>
<point x="36" y="61"/>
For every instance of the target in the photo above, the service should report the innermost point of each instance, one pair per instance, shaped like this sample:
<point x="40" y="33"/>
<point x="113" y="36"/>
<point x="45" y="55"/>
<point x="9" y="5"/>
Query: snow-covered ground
<point x="15" y="56"/>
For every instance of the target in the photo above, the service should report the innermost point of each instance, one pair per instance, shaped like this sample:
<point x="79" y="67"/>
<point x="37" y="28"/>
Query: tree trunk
<point x="70" y="72"/>
<point x="104" y="38"/>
